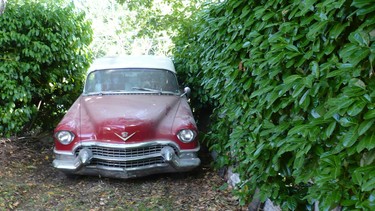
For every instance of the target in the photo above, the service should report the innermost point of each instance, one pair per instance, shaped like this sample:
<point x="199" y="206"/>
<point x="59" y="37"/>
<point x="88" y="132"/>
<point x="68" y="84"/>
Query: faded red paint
<point x="150" y="116"/>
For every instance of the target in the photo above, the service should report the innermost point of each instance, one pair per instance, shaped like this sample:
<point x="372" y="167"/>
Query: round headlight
<point x="64" y="137"/>
<point x="186" y="136"/>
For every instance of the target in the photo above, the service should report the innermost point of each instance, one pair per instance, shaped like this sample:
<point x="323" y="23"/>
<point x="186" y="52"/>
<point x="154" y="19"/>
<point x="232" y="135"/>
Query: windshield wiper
<point x="146" y="89"/>
<point x="105" y="92"/>
<point x="94" y="93"/>
<point x="154" y="90"/>
<point x="115" y="91"/>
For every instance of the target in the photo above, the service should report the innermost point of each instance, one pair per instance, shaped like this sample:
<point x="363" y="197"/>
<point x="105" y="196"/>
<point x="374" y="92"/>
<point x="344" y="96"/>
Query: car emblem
<point x="125" y="136"/>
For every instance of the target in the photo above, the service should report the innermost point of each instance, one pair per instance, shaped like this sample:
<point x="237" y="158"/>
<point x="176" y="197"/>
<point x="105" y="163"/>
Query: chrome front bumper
<point x="166" y="158"/>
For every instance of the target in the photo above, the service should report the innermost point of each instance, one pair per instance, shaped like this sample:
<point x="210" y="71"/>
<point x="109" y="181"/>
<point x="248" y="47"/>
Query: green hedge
<point x="43" y="57"/>
<point x="292" y="84"/>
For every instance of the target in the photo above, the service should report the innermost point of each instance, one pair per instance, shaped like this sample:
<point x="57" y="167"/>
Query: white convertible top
<point x="131" y="61"/>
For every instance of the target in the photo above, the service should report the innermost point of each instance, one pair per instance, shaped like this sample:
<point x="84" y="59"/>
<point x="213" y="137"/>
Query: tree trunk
<point x="2" y="6"/>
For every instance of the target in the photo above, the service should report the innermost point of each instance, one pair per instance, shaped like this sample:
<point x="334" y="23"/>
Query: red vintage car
<point x="131" y="120"/>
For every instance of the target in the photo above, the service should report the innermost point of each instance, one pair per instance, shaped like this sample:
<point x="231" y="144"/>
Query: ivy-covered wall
<point x="43" y="57"/>
<point x="293" y="90"/>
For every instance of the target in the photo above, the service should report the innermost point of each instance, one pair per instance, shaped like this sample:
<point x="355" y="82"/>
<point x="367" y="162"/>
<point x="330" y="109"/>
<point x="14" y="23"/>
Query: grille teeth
<point x="123" y="153"/>
<point x="125" y="158"/>
<point x="128" y="164"/>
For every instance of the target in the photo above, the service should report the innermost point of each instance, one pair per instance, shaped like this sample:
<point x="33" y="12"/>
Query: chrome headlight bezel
<point x="186" y="135"/>
<point x="64" y="137"/>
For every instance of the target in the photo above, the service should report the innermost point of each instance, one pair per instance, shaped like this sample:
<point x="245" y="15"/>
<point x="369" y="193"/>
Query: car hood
<point x="128" y="118"/>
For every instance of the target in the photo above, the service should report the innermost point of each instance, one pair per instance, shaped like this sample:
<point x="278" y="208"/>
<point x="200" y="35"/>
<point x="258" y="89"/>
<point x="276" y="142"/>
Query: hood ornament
<point x="125" y="136"/>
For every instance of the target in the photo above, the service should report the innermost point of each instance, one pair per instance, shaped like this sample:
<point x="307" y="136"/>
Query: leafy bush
<point x="43" y="57"/>
<point x="294" y="95"/>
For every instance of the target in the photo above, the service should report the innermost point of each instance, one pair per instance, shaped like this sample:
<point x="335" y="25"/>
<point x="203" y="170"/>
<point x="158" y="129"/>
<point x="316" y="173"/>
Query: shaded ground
<point x="28" y="182"/>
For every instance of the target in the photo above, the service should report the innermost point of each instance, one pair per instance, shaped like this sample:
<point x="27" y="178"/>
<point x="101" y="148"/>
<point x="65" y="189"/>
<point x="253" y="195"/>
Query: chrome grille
<point x="123" y="153"/>
<point x="114" y="157"/>
<point x="128" y="164"/>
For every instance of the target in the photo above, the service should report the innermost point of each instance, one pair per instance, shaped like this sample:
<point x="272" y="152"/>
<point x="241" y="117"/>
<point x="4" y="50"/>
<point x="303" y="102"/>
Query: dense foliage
<point x="293" y="90"/>
<point x="43" y="55"/>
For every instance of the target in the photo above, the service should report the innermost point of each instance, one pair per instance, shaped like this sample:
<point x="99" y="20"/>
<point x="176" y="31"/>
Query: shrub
<point x="293" y="90"/>
<point x="43" y="56"/>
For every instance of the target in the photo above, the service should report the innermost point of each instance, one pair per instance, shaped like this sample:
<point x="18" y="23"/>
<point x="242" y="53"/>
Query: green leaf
<point x="292" y="48"/>
<point x="259" y="149"/>
<point x="261" y="91"/>
<point x="248" y="83"/>
<point x="364" y="126"/>
<point x="306" y="6"/>
<point x="291" y="203"/>
<point x="366" y="10"/>
<point x="360" y="55"/>
<point x="276" y="59"/>
<point x="315" y="69"/>
<point x="305" y="98"/>
<point x="298" y="89"/>
<point x="347" y="121"/>
<point x="367" y="159"/>
<point x="356" y="108"/>
<point x="337" y="30"/>
<point x="348" y="50"/>
<point x="297" y="129"/>
<point x="305" y="105"/>
<point x="316" y="29"/>
<point x="370" y="114"/>
<point x="291" y="79"/>
<point x="308" y="81"/>
<point x="331" y="127"/>
<point x="336" y="73"/>
<point x="361" y="3"/>
<point x="360" y="37"/>
<point x="245" y="11"/>
<point x="366" y="143"/>
<point x="246" y="44"/>
<point x="271" y="98"/>
<point x="368" y="185"/>
<point x="350" y="137"/>
<point x="358" y="83"/>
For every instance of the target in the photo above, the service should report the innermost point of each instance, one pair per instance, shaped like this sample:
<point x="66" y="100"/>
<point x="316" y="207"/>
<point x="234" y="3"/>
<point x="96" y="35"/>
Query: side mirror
<point x="187" y="92"/>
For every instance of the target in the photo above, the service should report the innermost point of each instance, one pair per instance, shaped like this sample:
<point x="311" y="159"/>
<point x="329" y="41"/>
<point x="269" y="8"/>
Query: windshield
<point x="131" y="80"/>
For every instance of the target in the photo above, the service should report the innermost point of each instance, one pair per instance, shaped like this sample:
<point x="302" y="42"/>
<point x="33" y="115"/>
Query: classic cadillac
<point x="131" y="120"/>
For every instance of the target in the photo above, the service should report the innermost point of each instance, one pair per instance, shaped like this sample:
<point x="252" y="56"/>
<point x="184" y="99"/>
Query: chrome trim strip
<point x="123" y="146"/>
<point x="128" y="169"/>
<point x="131" y="93"/>
<point x="62" y="152"/>
<point x="126" y="159"/>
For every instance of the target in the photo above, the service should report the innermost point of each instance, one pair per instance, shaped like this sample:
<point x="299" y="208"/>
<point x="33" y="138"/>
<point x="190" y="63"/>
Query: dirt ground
<point x="29" y="182"/>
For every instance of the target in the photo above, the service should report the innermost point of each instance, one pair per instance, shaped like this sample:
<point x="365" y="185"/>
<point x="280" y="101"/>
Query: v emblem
<point x="125" y="138"/>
